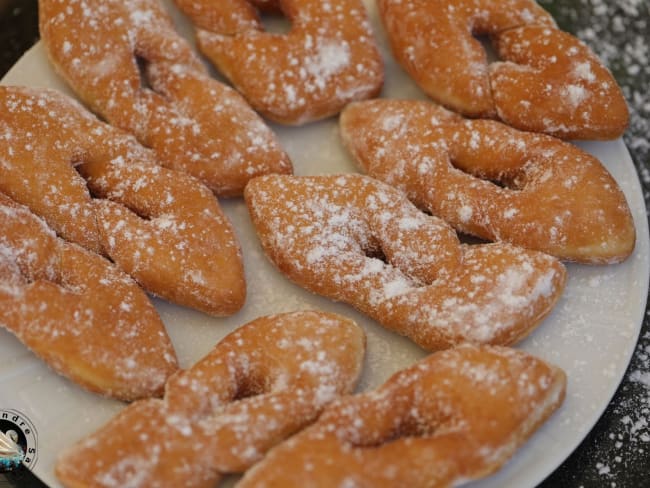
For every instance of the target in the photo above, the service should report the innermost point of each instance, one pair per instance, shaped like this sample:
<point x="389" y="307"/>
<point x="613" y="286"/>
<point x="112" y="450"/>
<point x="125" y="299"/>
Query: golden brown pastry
<point x="355" y="239"/>
<point x="327" y="59"/>
<point x="546" y="80"/>
<point x="124" y="59"/>
<point x="258" y="386"/>
<point x="79" y="313"/>
<point x="161" y="226"/>
<point x="492" y="181"/>
<point x="455" y="416"/>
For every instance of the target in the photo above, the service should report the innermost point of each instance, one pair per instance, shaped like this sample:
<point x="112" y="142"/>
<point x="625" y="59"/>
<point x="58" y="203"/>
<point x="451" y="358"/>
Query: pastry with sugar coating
<point x="546" y="80"/>
<point x="127" y="63"/>
<point x="78" y="312"/>
<point x="455" y="416"/>
<point x="327" y="59"/>
<point x="162" y="227"/>
<point x="258" y="386"/>
<point x="360" y="241"/>
<point x="492" y="181"/>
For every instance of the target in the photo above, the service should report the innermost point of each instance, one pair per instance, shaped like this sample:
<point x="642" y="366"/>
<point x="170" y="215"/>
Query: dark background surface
<point x="616" y="453"/>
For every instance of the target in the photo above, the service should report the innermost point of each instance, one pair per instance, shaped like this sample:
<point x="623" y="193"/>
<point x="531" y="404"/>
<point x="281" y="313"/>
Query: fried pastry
<point x="327" y="59"/>
<point x="127" y="63"/>
<point x="79" y="313"/>
<point x="546" y="80"/>
<point x="161" y="226"/>
<point x="494" y="182"/>
<point x="258" y="386"/>
<point x="455" y="416"/>
<point x="355" y="239"/>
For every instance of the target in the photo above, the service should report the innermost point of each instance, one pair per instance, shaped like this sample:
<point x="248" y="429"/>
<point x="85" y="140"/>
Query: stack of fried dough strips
<point x="327" y="59"/>
<point x="78" y="312"/>
<point x="162" y="227"/>
<point x="548" y="81"/>
<point x="258" y="386"/>
<point x="491" y="181"/>
<point x="125" y="60"/>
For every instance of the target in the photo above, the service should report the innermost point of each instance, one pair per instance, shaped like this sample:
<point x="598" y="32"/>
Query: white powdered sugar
<point x="261" y="383"/>
<point x="162" y="227"/>
<point x="371" y="248"/>
<point x="330" y="58"/>
<point x="574" y="95"/>
<point x="166" y="99"/>
<point x="450" y="393"/>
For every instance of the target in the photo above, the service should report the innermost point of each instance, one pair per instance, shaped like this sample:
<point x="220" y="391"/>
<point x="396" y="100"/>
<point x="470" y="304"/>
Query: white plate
<point x="591" y="333"/>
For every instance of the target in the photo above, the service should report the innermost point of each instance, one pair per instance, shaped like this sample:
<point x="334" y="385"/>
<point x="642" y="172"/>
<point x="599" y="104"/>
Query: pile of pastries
<point x="105" y="202"/>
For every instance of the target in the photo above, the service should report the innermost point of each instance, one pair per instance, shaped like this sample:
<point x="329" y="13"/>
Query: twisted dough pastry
<point x="194" y="123"/>
<point x="258" y="386"/>
<point x="327" y="59"/>
<point x="87" y="320"/>
<point x="360" y="241"/>
<point x="549" y="195"/>
<point x="455" y="416"/>
<point x="548" y="81"/>
<point x="162" y="227"/>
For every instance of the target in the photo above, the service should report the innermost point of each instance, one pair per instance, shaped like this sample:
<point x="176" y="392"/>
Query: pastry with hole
<point x="261" y="384"/>
<point x="124" y="59"/>
<point x="355" y="239"/>
<point x="492" y="181"/>
<point x="546" y="80"/>
<point x="327" y="59"/>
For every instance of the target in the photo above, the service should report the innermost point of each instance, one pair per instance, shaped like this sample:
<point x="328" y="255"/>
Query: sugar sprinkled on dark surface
<point x="620" y="445"/>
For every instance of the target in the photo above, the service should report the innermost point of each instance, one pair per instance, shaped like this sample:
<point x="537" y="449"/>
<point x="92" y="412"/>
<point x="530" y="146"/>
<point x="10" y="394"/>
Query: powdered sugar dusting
<point x="449" y="395"/>
<point x="78" y="312"/>
<point x="327" y="59"/>
<point x="126" y="61"/>
<point x="330" y="58"/>
<point x="448" y="166"/>
<point x="574" y="95"/>
<point x="583" y="332"/>
<point x="427" y="288"/>
<point x="259" y="385"/>
<point x="162" y="227"/>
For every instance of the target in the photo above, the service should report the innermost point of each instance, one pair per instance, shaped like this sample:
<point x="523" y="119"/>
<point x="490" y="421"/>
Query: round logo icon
<point x="18" y="441"/>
